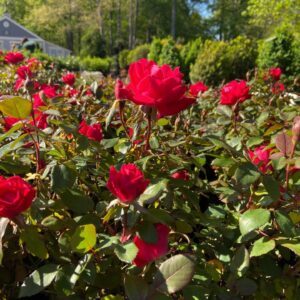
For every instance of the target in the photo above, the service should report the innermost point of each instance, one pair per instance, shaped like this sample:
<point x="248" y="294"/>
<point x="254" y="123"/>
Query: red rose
<point x="198" y="87"/>
<point x="275" y="73"/>
<point x="150" y="252"/>
<point x="18" y="84"/>
<point x="69" y="79"/>
<point x="128" y="183"/>
<point x="121" y="91"/>
<point x="16" y="196"/>
<point x="24" y="72"/>
<point x="260" y="157"/>
<point x="14" y="57"/>
<point x="49" y="91"/>
<point x="93" y="132"/>
<point x="234" y="92"/>
<point x="278" y="88"/>
<point x="159" y="87"/>
<point x="182" y="174"/>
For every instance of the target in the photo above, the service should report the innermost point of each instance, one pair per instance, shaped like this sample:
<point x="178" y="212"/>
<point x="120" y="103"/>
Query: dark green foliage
<point x="189" y="53"/>
<point x="92" y="44"/>
<point x="138" y="53"/>
<point x="169" y="54"/>
<point x="278" y="51"/>
<point x="96" y="64"/>
<point x="123" y="58"/>
<point x="224" y="61"/>
<point x="155" y="49"/>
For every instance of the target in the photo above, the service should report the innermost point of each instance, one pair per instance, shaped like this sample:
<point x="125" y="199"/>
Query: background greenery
<point x="203" y="37"/>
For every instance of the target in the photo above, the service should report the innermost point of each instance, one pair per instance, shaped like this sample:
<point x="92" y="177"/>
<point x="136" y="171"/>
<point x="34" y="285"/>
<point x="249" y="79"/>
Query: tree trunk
<point x="100" y="18"/>
<point x="173" y="21"/>
<point x="69" y="32"/>
<point x="111" y="43"/>
<point x="135" y="23"/>
<point x="130" y="27"/>
<point x="119" y="20"/>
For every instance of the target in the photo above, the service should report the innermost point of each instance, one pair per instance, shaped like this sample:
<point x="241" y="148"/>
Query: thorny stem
<point x="36" y="143"/>
<point x="121" y="109"/>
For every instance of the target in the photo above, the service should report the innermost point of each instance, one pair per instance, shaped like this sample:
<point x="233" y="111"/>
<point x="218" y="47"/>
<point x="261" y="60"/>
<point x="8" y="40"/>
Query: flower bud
<point x="296" y="129"/>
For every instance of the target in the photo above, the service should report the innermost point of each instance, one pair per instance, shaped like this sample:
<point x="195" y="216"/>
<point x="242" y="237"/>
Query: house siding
<point x="12" y="33"/>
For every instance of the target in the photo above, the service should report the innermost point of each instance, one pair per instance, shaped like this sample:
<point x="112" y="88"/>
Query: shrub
<point x="278" y="51"/>
<point x="96" y="64"/>
<point x="169" y="54"/>
<point x="155" y="49"/>
<point x="189" y="53"/>
<point x="123" y="58"/>
<point x="92" y="44"/>
<point x="223" y="61"/>
<point x="137" y="53"/>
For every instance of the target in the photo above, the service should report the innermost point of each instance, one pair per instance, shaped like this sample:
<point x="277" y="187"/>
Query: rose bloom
<point x="128" y="183"/>
<point x="234" y="92"/>
<point x="16" y="196"/>
<point x="69" y="79"/>
<point x="49" y="91"/>
<point x="14" y="57"/>
<point x="275" y="73"/>
<point x="92" y="132"/>
<point x="149" y="252"/>
<point x="182" y="174"/>
<point x="24" y="72"/>
<point x="260" y="157"/>
<point x="157" y="86"/>
<point x="277" y="88"/>
<point x="122" y="91"/>
<point x="198" y="87"/>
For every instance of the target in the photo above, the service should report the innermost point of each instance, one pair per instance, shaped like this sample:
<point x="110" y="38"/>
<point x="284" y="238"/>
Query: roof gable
<point x="10" y="28"/>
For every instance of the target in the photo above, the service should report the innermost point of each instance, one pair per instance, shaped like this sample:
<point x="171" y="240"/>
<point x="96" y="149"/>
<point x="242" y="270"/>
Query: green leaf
<point x="84" y="238"/>
<point x="126" y="252"/>
<point x="224" y="162"/>
<point x="62" y="177"/>
<point x="3" y="224"/>
<point x="246" y="286"/>
<point x="82" y="264"/>
<point x="174" y="274"/>
<point x="131" y="283"/>
<point x="111" y="113"/>
<point x="240" y="261"/>
<point x="8" y="133"/>
<point x="112" y="297"/>
<point x="14" y="106"/>
<point x="285" y="223"/>
<point x="284" y="143"/>
<point x="292" y="245"/>
<point x="272" y="187"/>
<point x="153" y="192"/>
<point x="77" y="201"/>
<point x="34" y="242"/>
<point x="183" y="227"/>
<point x="253" y="219"/>
<point x="53" y="223"/>
<point x="38" y="280"/>
<point x="147" y="232"/>
<point x="246" y="173"/>
<point x="262" y="246"/>
<point x="253" y="141"/>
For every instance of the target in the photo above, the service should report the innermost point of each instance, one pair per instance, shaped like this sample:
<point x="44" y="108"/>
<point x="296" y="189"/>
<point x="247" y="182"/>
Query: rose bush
<point x="207" y="194"/>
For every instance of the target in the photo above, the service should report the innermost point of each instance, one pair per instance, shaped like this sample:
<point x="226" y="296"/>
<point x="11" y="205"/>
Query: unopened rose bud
<point x="29" y="85"/>
<point x="296" y="130"/>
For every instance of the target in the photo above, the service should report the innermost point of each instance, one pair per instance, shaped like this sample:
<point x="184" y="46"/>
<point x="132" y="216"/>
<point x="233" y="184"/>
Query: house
<point x="12" y="33"/>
